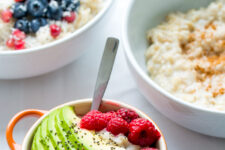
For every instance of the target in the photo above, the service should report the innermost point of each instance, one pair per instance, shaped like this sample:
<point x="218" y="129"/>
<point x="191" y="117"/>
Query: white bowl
<point x="36" y="61"/>
<point x="140" y="17"/>
<point x="81" y="107"/>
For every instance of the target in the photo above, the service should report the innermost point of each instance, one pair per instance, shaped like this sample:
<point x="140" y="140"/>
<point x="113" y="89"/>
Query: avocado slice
<point x="54" y="133"/>
<point x="60" y="130"/>
<point x="63" y="133"/>
<point x="45" y="135"/>
<point x="86" y="140"/>
<point x="37" y="145"/>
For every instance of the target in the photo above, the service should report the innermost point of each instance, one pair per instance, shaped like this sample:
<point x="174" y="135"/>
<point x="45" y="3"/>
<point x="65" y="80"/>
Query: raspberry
<point x="117" y="125"/>
<point x="55" y="30"/>
<point x="143" y="132"/>
<point x="93" y="120"/>
<point x="70" y="17"/>
<point x="6" y="15"/>
<point x="149" y="149"/>
<point x="127" y="114"/>
<point x="109" y="115"/>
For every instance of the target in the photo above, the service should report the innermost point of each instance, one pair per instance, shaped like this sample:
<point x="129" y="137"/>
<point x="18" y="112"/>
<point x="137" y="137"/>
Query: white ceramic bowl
<point x="81" y="107"/>
<point x="140" y="17"/>
<point x="36" y="61"/>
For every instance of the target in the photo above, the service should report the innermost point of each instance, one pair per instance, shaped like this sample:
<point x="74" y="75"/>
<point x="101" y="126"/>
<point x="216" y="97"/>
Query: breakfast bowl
<point x="81" y="107"/>
<point x="142" y="16"/>
<point x="51" y="52"/>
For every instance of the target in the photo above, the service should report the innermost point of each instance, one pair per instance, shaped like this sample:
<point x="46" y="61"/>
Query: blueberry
<point x="44" y="2"/>
<point x="73" y="6"/>
<point x="54" y="11"/>
<point x="34" y="25"/>
<point x="43" y="21"/>
<point x="36" y="8"/>
<point x="19" y="10"/>
<point x="22" y="24"/>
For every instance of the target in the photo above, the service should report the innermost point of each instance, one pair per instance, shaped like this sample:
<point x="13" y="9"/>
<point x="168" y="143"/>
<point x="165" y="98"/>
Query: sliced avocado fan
<point x="60" y="131"/>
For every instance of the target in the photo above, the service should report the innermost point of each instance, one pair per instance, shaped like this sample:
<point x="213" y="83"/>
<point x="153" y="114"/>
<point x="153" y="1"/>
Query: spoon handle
<point x="105" y="70"/>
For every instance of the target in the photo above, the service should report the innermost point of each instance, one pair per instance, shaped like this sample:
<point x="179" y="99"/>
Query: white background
<point x="77" y="81"/>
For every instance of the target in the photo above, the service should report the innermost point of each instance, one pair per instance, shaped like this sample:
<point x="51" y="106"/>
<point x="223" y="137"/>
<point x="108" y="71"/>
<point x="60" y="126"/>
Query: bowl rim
<point x="131" y="59"/>
<point x="89" y="100"/>
<point x="88" y="25"/>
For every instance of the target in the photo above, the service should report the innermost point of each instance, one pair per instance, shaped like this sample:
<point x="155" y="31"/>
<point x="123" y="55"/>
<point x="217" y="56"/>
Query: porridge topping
<point x="36" y="17"/>
<point x="187" y="55"/>
<point x="111" y="126"/>
<point x="63" y="129"/>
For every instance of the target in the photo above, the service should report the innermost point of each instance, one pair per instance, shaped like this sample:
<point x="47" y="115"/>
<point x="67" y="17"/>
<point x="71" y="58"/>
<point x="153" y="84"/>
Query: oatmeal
<point x="186" y="55"/>
<point x="42" y="21"/>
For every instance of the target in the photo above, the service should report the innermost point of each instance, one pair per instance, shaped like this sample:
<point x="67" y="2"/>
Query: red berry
<point x="142" y="132"/>
<point x="149" y="149"/>
<point x="109" y="115"/>
<point x="10" y="43"/>
<point x="55" y="30"/>
<point x="6" y="15"/>
<point x="117" y="125"/>
<point x="20" y="44"/>
<point x="127" y="114"/>
<point x="70" y="17"/>
<point x="17" y="40"/>
<point x="18" y="35"/>
<point x="94" y="120"/>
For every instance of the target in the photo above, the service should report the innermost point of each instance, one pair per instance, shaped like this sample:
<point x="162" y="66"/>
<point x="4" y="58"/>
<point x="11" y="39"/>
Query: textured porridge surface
<point x="87" y="10"/>
<point x="186" y="55"/>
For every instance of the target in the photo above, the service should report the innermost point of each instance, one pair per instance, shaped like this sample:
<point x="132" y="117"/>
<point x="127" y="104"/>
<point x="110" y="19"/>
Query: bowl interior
<point x="81" y="108"/>
<point x="146" y="14"/>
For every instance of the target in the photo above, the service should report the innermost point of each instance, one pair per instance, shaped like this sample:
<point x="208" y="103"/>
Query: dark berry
<point x="43" y="21"/>
<point x="44" y="2"/>
<point x="65" y="3"/>
<point x="73" y="6"/>
<point x="34" y="25"/>
<point x="54" y="11"/>
<point x="36" y="8"/>
<point x="22" y="25"/>
<point x="19" y="10"/>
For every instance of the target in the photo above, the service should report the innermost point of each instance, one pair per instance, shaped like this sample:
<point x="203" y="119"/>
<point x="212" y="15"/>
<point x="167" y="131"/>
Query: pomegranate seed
<point x="20" y="44"/>
<point x="70" y="18"/>
<point x="18" y="35"/>
<point x="55" y="30"/>
<point x="10" y="43"/>
<point x="6" y="15"/>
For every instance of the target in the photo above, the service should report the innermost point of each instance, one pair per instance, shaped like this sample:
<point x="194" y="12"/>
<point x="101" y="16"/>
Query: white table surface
<point x="76" y="81"/>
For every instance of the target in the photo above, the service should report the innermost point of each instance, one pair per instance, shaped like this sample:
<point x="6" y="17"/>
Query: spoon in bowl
<point x="105" y="70"/>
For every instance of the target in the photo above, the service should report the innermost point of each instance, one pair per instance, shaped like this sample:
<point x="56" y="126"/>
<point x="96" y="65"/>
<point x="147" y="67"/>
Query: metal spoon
<point x="104" y="71"/>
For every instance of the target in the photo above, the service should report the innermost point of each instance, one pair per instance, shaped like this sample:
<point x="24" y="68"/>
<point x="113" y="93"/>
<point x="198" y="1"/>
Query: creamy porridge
<point x="65" y="19"/>
<point x="186" y="55"/>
